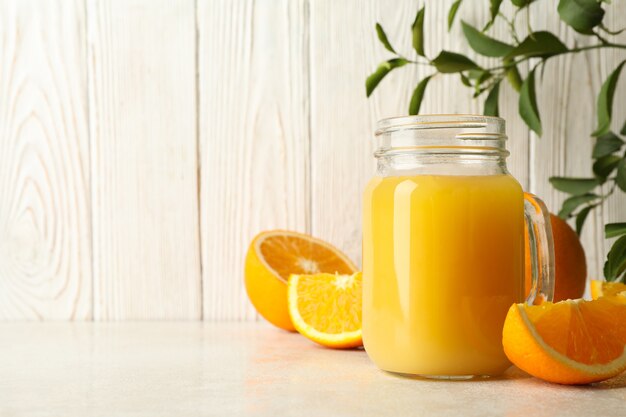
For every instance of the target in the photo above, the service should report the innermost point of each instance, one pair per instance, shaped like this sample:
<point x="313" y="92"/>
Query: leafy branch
<point x="586" y="18"/>
<point x="609" y="168"/>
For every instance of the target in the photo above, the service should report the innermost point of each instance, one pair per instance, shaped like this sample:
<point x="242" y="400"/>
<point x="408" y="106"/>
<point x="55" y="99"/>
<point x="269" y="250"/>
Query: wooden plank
<point x="254" y="135"/>
<point x="144" y="159"/>
<point x="45" y="237"/>
<point x="567" y="102"/>
<point x="344" y="50"/>
<point x="517" y="131"/>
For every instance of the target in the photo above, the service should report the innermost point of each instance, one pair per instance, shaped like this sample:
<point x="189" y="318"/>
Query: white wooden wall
<point x="144" y="143"/>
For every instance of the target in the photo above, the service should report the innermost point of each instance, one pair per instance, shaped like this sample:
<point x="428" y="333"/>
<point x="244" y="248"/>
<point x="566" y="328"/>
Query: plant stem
<point x="517" y="12"/>
<point x="519" y="61"/>
<point x="424" y="64"/>
<point x="611" y="32"/>
<point x="608" y="194"/>
<point x="410" y="61"/>
<point x="569" y="51"/>
<point x="511" y="24"/>
<point x="602" y="197"/>
<point x="600" y="38"/>
<point x="602" y="45"/>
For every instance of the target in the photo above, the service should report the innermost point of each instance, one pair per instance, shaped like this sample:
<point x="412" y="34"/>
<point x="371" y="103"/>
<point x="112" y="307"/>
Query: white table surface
<point x="236" y="369"/>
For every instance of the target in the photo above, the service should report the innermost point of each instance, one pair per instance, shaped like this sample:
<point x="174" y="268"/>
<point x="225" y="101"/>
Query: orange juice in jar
<point x="443" y="247"/>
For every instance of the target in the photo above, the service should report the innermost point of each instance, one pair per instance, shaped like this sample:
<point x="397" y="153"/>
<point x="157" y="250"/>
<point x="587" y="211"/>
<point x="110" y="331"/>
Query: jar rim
<point x="440" y="121"/>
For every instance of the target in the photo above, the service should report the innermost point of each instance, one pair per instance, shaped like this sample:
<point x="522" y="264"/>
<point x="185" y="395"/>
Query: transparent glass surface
<point x="443" y="247"/>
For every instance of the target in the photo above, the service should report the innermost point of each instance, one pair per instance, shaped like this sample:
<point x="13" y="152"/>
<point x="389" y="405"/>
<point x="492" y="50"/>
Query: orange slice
<point x="326" y="308"/>
<point x="273" y="256"/>
<point x="571" y="342"/>
<point x="603" y="288"/>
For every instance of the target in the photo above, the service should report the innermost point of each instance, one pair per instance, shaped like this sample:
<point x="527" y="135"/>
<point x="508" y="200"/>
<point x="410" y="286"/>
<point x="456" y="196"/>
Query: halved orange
<point x="273" y="256"/>
<point x="570" y="342"/>
<point x="326" y="308"/>
<point x="603" y="288"/>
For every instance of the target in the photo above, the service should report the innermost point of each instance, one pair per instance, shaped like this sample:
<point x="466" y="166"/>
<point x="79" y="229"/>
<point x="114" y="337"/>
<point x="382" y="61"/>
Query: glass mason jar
<point x="443" y="247"/>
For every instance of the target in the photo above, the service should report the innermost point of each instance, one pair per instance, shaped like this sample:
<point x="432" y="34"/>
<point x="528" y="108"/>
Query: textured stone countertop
<point x="236" y="369"/>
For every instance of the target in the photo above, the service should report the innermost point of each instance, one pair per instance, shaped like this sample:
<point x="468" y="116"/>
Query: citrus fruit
<point x="273" y="256"/>
<point x="326" y="308"/>
<point x="570" y="266"/>
<point x="571" y="342"/>
<point x="603" y="288"/>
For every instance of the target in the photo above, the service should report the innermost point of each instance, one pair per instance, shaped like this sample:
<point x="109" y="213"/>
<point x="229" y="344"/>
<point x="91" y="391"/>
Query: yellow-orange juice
<point x="443" y="260"/>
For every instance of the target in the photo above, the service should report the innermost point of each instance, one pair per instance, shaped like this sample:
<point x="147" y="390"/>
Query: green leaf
<point x="480" y="76"/>
<point x="494" y="9"/>
<point x="521" y="3"/>
<point x="418" y="95"/>
<point x="383" y="69"/>
<point x="620" y="180"/>
<point x="580" y="219"/>
<point x="478" y="91"/>
<point x="603" y="167"/>
<point x="475" y="74"/>
<point x="615" y="263"/>
<point x="484" y="44"/>
<point x="540" y="43"/>
<point x="572" y="203"/>
<point x="614" y="230"/>
<point x="382" y="37"/>
<point x="418" y="32"/>
<point x="606" y="145"/>
<point x="479" y="87"/>
<point x="514" y="77"/>
<point x="452" y="13"/>
<point x="466" y="82"/>
<point x="605" y="101"/>
<point x="528" y="104"/>
<point x="491" y="103"/>
<point x="449" y="62"/>
<point x="623" y="129"/>
<point x="582" y="15"/>
<point x="574" y="186"/>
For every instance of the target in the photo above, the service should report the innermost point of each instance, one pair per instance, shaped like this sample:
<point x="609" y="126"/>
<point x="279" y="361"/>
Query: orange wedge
<point x="273" y="256"/>
<point x="326" y="308"/>
<point x="571" y="342"/>
<point x="603" y="288"/>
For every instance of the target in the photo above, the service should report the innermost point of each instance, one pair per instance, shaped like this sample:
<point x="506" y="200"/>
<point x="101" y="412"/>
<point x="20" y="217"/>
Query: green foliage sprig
<point x="585" y="17"/>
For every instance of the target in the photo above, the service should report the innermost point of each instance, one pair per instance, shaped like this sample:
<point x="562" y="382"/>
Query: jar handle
<point x="537" y="221"/>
